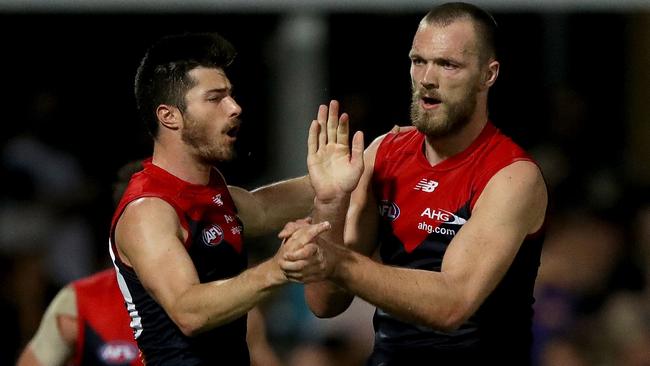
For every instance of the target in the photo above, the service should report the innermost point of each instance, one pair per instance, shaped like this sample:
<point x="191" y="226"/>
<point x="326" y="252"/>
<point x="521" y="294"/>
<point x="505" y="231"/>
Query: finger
<point x="322" y="121"/>
<point x="302" y="253"/>
<point x="306" y="234"/>
<point x="314" y="230"/>
<point x="357" y="150"/>
<point x="292" y="226"/>
<point x="398" y="129"/>
<point x="312" y="140"/>
<point x="343" y="132"/>
<point x="288" y="229"/>
<point x="332" y="121"/>
<point x="293" y="267"/>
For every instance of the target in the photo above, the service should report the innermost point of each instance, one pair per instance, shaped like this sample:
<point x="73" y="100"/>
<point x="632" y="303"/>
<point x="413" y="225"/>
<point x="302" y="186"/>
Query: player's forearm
<point x="414" y="296"/>
<point x="325" y="299"/>
<point x="284" y="201"/>
<point x="209" y="305"/>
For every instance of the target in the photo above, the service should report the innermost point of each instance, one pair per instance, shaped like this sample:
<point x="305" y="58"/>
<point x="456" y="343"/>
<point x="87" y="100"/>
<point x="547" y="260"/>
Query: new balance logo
<point x="426" y="185"/>
<point x="217" y="199"/>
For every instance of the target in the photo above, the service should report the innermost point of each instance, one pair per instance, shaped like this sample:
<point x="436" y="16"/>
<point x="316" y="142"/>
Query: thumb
<point x="357" y="150"/>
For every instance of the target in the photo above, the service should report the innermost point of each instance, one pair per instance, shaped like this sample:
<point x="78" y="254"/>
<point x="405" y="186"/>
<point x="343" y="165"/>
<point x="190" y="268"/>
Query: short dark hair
<point x="485" y="25"/>
<point x="162" y="77"/>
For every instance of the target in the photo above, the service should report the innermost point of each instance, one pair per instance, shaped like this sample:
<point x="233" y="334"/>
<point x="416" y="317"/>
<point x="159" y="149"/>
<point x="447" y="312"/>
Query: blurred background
<point x="574" y="90"/>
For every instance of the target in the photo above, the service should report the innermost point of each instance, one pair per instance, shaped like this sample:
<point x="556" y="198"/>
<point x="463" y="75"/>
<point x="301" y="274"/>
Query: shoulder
<point x="65" y="302"/>
<point x="520" y="189"/>
<point x="149" y="206"/>
<point x="396" y="137"/>
<point x="519" y="176"/>
<point x="148" y="215"/>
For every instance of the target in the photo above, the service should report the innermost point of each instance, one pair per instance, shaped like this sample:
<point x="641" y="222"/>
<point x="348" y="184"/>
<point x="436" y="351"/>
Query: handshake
<point x="304" y="256"/>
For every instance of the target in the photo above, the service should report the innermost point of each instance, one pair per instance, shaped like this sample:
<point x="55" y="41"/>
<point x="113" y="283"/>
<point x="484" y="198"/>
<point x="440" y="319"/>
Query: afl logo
<point x="212" y="235"/>
<point x="388" y="210"/>
<point x="118" y="353"/>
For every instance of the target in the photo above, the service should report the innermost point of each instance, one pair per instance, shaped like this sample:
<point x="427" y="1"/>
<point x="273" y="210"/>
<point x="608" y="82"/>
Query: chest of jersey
<point x="215" y="235"/>
<point x="421" y="209"/>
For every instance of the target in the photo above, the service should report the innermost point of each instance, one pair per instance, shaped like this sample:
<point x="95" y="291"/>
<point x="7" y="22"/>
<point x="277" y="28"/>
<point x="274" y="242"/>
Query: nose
<point x="429" y="79"/>
<point x="234" y="109"/>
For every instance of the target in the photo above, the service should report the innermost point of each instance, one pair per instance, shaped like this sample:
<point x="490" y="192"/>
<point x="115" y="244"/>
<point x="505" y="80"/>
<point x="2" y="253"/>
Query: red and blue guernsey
<point x="208" y="214"/>
<point x="104" y="337"/>
<point x="422" y="208"/>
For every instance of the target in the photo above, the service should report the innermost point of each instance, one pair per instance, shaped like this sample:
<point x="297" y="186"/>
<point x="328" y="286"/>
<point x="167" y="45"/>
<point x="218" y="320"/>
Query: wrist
<point x="272" y="274"/>
<point x="344" y="259"/>
<point x="330" y="203"/>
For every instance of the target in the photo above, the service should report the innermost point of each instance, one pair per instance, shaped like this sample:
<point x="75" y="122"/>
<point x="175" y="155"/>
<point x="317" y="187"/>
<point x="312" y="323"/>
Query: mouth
<point x="428" y="102"/>
<point x="233" y="131"/>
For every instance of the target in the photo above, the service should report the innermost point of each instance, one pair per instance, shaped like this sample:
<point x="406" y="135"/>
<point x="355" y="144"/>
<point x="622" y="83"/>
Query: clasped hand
<point x="303" y="256"/>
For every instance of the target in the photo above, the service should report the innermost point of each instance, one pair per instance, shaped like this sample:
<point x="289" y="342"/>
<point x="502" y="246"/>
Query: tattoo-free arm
<point x="149" y="238"/>
<point x="265" y="210"/>
<point x="54" y="341"/>
<point x="511" y="206"/>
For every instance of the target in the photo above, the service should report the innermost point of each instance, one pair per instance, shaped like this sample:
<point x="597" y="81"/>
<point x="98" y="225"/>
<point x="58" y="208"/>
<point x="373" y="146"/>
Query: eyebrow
<point x="221" y="90"/>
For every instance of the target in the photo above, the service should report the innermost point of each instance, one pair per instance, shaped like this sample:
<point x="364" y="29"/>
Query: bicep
<point x="511" y="206"/>
<point x="149" y="237"/>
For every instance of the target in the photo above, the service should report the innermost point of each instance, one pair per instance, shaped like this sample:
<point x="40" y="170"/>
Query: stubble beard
<point x="209" y="151"/>
<point x="447" y="119"/>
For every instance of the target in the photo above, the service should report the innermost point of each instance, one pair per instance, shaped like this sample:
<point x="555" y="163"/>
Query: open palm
<point x="334" y="168"/>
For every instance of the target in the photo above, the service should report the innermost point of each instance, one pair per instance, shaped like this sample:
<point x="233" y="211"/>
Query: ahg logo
<point x="213" y="235"/>
<point x="118" y="353"/>
<point x="443" y="216"/>
<point x="388" y="210"/>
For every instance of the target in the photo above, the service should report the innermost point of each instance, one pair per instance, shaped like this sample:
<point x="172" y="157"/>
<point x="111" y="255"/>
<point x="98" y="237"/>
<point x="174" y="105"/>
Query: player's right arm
<point x="325" y="299"/>
<point x="54" y="341"/>
<point x="149" y="238"/>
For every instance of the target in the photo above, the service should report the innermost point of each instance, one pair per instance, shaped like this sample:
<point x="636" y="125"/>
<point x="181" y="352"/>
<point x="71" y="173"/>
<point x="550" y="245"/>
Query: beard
<point x="447" y="119"/>
<point x="207" y="149"/>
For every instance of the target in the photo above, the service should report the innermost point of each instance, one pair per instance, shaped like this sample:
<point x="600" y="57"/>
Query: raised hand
<point x="334" y="168"/>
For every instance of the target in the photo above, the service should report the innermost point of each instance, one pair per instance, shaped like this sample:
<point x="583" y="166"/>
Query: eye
<point x="448" y="65"/>
<point x="417" y="61"/>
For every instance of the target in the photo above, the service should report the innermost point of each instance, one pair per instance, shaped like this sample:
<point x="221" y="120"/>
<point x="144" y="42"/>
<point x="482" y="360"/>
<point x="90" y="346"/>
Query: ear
<point x="169" y="116"/>
<point x="491" y="74"/>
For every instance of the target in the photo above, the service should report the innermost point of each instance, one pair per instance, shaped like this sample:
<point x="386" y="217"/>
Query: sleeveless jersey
<point x="422" y="208"/>
<point x="214" y="243"/>
<point x="104" y="337"/>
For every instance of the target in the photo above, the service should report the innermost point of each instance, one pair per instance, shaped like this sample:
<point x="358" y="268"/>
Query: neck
<point x="437" y="149"/>
<point x="180" y="163"/>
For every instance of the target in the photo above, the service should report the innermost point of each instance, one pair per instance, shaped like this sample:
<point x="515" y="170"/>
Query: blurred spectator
<point x="579" y="256"/>
<point x="43" y="228"/>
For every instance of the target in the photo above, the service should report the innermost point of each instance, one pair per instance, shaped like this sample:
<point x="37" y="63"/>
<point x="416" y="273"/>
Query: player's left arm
<point x="267" y="209"/>
<point x="54" y="341"/>
<point x="512" y="205"/>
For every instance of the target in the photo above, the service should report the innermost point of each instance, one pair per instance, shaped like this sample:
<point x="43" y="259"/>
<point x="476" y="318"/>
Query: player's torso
<point x="214" y="241"/>
<point x="422" y="209"/>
